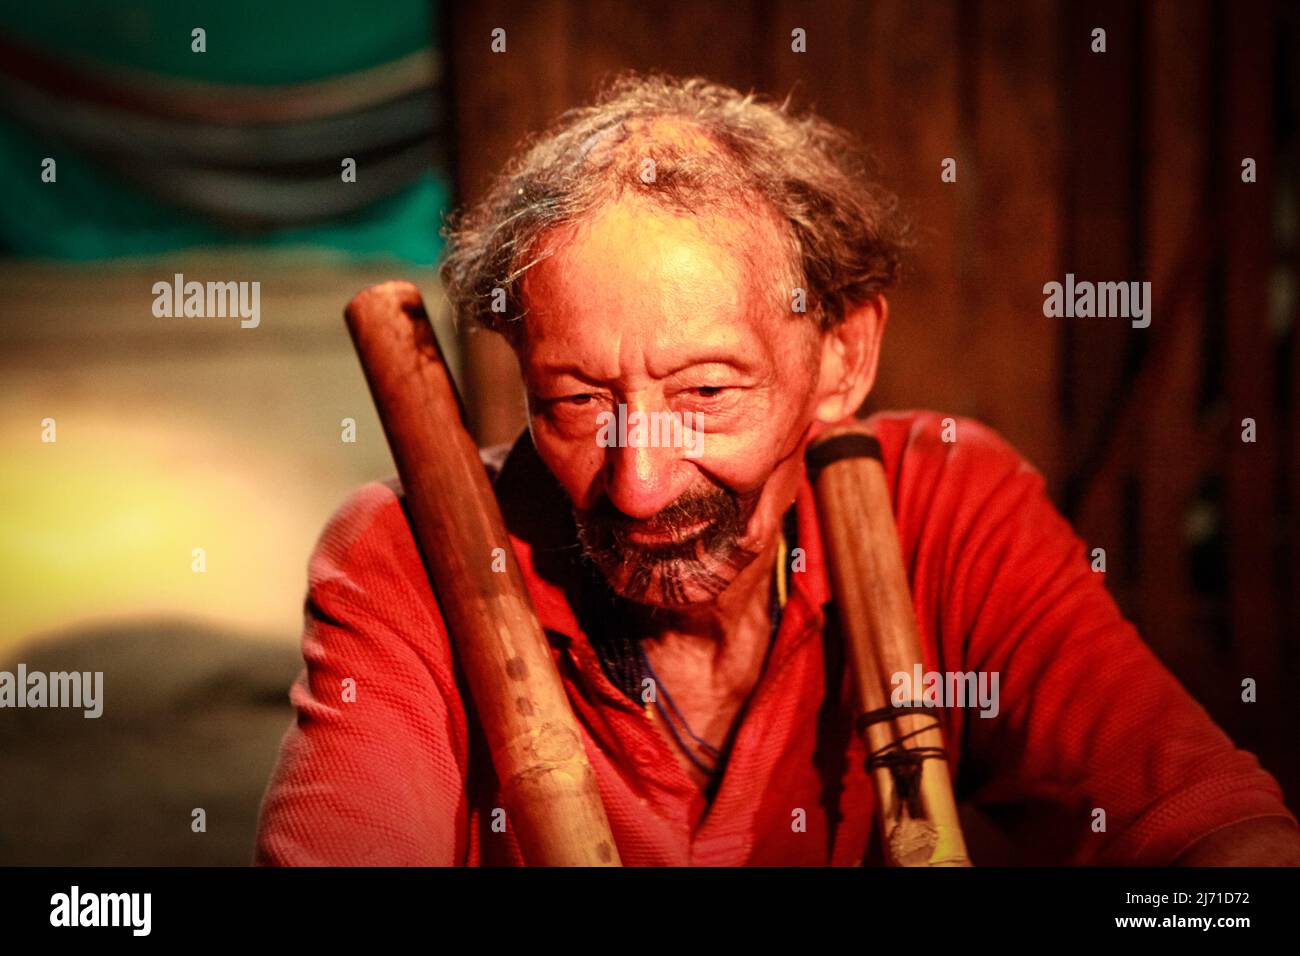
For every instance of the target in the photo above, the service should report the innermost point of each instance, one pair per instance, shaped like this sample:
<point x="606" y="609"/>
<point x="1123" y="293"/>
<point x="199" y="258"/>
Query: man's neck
<point x="740" y="605"/>
<point x="710" y="662"/>
<point x="710" y="659"/>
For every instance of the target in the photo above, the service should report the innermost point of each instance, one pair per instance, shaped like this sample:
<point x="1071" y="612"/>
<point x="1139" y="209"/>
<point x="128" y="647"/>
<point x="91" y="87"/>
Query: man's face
<point x="683" y="320"/>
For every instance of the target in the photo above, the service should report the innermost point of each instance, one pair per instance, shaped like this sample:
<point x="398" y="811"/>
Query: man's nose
<point x="642" y="481"/>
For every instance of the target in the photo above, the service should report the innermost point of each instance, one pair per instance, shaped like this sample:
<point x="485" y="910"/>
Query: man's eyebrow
<point x="567" y="368"/>
<point x="731" y="360"/>
<point x="573" y="371"/>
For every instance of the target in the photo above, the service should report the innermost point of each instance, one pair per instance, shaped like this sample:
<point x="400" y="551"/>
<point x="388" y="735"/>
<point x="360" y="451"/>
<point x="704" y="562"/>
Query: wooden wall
<point x="1123" y="165"/>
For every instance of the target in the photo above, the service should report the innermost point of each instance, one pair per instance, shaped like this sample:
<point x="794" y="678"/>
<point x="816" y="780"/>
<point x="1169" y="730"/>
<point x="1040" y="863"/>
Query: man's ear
<point x="850" y="356"/>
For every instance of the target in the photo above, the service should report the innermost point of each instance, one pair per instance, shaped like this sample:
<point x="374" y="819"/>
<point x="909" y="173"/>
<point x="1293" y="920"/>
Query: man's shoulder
<point x="915" y="440"/>
<point x="371" y="525"/>
<point x="948" y="474"/>
<point x="958" y="488"/>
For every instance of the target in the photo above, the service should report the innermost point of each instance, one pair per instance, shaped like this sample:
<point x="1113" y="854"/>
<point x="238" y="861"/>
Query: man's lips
<point x="670" y="536"/>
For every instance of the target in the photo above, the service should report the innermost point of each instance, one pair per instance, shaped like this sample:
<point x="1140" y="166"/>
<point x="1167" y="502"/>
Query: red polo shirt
<point x="395" y="772"/>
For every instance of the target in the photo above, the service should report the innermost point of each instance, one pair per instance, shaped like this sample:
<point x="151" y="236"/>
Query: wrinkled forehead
<point x="632" y="267"/>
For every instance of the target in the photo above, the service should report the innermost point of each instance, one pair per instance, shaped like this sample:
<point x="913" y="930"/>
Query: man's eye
<point x="709" y="391"/>
<point x="584" y="398"/>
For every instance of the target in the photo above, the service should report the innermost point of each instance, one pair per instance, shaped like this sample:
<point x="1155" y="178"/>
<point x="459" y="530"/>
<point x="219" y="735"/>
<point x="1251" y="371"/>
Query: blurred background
<point x="225" y="165"/>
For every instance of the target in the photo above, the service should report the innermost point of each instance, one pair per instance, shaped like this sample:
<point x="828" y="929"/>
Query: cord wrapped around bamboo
<point x="917" y="808"/>
<point x="548" y="785"/>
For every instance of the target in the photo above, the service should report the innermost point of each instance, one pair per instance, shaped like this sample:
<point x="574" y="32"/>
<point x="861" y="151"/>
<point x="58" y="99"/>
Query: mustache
<point x="719" y="511"/>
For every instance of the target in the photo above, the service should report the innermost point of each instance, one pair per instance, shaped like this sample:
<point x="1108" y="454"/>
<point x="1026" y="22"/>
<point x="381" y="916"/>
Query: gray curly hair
<point x="713" y="147"/>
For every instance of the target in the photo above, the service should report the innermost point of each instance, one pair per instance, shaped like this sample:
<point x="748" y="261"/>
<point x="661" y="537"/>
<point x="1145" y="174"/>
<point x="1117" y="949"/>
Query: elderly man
<point x="682" y="251"/>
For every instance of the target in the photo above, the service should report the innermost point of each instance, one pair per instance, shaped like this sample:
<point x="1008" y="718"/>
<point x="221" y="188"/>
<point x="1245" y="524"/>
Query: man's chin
<point x="659" y="593"/>
<point x="672" y="583"/>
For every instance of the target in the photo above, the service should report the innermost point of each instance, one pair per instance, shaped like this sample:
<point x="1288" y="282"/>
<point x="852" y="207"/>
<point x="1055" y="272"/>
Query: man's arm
<point x="374" y="770"/>
<point x="1097" y="754"/>
<point x="1269" y="841"/>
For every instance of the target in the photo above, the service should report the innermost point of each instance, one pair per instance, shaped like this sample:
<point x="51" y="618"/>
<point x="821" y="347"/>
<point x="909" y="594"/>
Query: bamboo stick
<point x="548" y="785"/>
<point x="875" y="607"/>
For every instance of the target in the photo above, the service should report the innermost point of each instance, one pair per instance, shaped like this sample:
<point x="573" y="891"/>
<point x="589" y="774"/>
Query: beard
<point x="702" y="558"/>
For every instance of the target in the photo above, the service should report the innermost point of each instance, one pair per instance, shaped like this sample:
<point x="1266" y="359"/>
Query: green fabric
<point x="248" y="41"/>
<point x="90" y="214"/>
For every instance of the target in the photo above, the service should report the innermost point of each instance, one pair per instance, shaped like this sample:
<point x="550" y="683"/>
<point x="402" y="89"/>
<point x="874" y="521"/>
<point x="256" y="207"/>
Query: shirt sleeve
<point x="373" y="770"/>
<point x="1088" y="718"/>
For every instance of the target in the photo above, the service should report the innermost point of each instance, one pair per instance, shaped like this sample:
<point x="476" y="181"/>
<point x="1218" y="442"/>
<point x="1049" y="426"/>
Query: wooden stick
<point x="547" y="783"/>
<point x="875" y="608"/>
